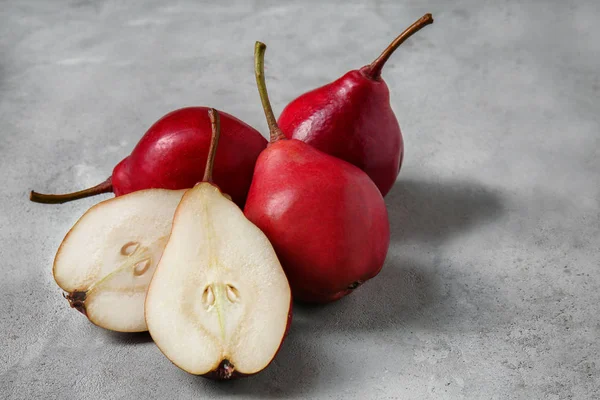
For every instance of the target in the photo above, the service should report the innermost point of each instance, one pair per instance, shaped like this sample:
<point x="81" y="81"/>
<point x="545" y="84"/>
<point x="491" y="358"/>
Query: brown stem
<point x="259" y="70"/>
<point x="77" y="301"/>
<point x="104" y="187"/>
<point x="215" y="122"/>
<point x="373" y="71"/>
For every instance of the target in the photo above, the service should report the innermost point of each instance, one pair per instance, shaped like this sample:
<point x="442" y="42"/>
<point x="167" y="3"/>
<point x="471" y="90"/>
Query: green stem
<point x="259" y="70"/>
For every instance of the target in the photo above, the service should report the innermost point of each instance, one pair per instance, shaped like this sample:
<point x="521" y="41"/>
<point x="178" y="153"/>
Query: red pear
<point x="325" y="218"/>
<point x="171" y="153"/>
<point x="351" y="118"/>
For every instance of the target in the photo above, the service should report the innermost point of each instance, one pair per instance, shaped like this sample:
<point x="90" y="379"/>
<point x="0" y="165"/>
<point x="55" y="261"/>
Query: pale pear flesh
<point x="107" y="259"/>
<point x="219" y="300"/>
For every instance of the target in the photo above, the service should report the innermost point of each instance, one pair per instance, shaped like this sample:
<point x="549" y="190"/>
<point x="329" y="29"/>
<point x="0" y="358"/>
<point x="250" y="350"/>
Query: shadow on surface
<point x="300" y="368"/>
<point x="402" y="293"/>
<point x="129" y="338"/>
<point x="406" y="291"/>
<point x="434" y="211"/>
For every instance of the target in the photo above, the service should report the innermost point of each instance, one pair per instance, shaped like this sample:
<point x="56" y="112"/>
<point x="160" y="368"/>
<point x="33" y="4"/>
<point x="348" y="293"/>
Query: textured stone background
<point x="491" y="288"/>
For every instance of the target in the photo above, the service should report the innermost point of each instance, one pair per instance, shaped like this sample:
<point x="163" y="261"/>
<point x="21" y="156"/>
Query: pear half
<point x="107" y="259"/>
<point x="219" y="303"/>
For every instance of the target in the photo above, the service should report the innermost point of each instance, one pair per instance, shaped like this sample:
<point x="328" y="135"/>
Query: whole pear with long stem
<point x="352" y="119"/>
<point x="171" y="154"/>
<point x="325" y="218"/>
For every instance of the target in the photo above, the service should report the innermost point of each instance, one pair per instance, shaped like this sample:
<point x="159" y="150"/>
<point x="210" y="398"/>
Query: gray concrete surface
<point x="491" y="289"/>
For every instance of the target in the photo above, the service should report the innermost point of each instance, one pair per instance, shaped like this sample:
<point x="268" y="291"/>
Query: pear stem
<point x="259" y="70"/>
<point x="373" y="71"/>
<point x="104" y="187"/>
<point x="215" y="123"/>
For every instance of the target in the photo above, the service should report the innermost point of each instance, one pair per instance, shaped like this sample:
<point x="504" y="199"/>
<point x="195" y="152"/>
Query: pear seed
<point x="208" y="297"/>
<point x="141" y="267"/>
<point x="129" y="248"/>
<point x="232" y="293"/>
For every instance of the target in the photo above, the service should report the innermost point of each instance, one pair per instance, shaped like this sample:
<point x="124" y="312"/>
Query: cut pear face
<point x="107" y="259"/>
<point x="219" y="301"/>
